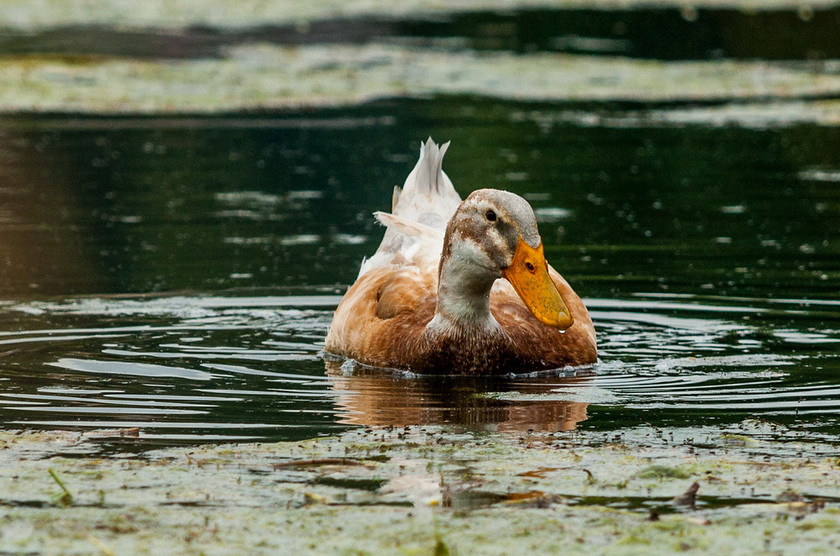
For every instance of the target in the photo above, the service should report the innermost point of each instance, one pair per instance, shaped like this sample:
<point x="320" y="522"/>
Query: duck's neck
<point x="463" y="300"/>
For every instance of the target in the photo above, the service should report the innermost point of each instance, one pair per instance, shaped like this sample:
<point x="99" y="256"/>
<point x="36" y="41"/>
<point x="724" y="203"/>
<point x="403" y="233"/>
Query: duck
<point x="459" y="287"/>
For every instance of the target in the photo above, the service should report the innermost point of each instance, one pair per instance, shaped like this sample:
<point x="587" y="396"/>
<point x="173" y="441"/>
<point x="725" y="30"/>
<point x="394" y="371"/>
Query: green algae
<point x="169" y="14"/>
<point x="662" y="472"/>
<point x="470" y="492"/>
<point x="272" y="77"/>
<point x="247" y="75"/>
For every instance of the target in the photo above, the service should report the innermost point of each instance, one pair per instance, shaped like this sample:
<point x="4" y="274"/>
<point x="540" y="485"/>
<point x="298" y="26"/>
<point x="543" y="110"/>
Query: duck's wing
<point x="393" y="299"/>
<point x="419" y="214"/>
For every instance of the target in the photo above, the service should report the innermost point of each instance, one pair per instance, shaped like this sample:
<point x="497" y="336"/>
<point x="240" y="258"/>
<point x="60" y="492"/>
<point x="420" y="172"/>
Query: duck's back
<point x="394" y="295"/>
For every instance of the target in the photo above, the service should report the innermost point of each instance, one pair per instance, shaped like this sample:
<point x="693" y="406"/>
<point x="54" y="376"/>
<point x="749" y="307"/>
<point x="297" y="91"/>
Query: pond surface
<point x="175" y="277"/>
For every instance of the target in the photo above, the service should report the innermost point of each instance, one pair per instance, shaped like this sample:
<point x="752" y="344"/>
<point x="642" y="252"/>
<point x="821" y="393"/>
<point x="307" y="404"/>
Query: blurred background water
<point x="171" y="277"/>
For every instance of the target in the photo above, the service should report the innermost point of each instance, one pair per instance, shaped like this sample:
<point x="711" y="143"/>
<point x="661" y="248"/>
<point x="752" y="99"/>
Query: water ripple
<point x="208" y="368"/>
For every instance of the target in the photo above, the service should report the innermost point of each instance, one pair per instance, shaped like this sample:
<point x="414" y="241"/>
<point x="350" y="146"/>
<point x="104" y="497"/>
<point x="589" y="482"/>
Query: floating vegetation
<point x="662" y="472"/>
<point x="519" y="491"/>
<point x="272" y="77"/>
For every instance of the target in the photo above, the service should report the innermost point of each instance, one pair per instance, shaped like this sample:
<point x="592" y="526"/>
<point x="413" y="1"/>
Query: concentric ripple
<point x="213" y="368"/>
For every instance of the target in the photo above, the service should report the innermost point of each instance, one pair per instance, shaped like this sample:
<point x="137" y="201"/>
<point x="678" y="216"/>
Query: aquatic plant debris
<point x="430" y="490"/>
<point x="261" y="76"/>
<point x="65" y="497"/>
<point x="25" y="14"/>
<point x="30" y="15"/>
<point x="252" y="74"/>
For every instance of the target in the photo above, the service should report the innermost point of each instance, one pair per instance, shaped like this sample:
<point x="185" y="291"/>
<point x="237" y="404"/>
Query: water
<point x="665" y="33"/>
<point x="172" y="279"/>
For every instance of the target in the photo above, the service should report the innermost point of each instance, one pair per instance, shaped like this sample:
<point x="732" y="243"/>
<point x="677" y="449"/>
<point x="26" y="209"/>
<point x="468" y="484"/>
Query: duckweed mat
<point x="756" y="487"/>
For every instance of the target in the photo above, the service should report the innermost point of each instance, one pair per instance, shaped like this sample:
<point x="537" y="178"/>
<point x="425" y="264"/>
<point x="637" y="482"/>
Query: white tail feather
<point x="428" y="195"/>
<point x="414" y="230"/>
<point x="419" y="211"/>
<point x="395" y="198"/>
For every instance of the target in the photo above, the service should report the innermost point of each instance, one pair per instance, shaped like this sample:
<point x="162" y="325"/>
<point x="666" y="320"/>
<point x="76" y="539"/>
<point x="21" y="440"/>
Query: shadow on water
<point x="708" y="257"/>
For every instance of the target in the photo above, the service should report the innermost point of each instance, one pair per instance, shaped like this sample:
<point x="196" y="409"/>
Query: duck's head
<point x="493" y="234"/>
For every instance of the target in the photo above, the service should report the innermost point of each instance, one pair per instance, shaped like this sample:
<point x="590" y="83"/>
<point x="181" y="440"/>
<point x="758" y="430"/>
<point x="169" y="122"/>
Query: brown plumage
<point x="429" y="300"/>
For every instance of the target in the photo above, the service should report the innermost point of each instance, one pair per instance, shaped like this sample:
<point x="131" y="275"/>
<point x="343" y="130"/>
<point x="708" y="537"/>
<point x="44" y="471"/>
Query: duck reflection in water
<point x="374" y="397"/>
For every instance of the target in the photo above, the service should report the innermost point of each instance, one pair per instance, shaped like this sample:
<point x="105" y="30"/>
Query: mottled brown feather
<point x="382" y="319"/>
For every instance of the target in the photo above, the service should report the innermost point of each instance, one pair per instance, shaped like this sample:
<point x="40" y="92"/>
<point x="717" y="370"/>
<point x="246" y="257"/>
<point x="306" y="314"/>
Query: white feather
<point x="420" y="212"/>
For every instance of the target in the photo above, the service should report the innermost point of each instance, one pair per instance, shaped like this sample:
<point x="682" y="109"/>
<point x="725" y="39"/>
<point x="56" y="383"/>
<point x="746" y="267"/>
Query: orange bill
<point x="528" y="273"/>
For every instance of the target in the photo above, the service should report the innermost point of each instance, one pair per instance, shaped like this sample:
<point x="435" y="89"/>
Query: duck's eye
<point x="490" y="215"/>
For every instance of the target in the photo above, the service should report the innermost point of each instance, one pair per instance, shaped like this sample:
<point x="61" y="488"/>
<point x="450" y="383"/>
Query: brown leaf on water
<point x="689" y="497"/>
<point x="790" y="496"/>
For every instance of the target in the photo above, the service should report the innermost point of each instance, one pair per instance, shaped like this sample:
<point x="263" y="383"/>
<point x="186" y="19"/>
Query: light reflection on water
<point x="205" y="368"/>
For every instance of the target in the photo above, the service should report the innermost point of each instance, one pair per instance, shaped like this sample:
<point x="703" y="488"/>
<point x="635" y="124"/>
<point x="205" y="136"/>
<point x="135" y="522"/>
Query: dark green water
<point x="663" y="33"/>
<point x="179" y="274"/>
